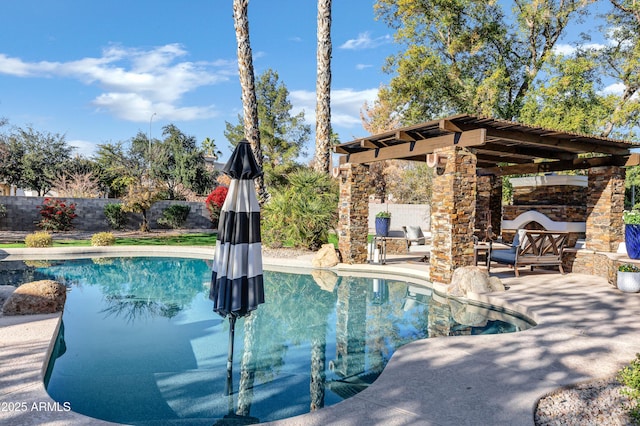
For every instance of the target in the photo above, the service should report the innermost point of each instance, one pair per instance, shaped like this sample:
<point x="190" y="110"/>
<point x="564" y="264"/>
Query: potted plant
<point x="383" y="222"/>
<point x="628" y="278"/>
<point x="632" y="233"/>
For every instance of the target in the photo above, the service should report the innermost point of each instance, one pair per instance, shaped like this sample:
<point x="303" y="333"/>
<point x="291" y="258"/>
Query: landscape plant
<point x="116" y="217"/>
<point x="629" y="376"/>
<point x="39" y="239"/>
<point x="631" y="217"/>
<point x="103" y="239"/>
<point x="214" y="203"/>
<point x="57" y="215"/>
<point x="302" y="213"/>
<point x="174" y="216"/>
<point x="139" y="199"/>
<point x="3" y="211"/>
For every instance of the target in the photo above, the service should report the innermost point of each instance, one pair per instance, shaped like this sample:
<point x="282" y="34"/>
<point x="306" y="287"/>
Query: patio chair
<point x="531" y="248"/>
<point x="414" y="237"/>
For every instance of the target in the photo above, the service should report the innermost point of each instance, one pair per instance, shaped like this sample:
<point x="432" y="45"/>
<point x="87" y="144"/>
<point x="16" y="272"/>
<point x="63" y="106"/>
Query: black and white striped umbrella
<point x="236" y="284"/>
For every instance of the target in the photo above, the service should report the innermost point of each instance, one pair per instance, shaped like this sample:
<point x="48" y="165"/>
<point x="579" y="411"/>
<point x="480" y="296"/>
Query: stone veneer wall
<point x="571" y="195"/>
<point x="605" y="204"/>
<point x="452" y="215"/>
<point x="23" y="214"/>
<point x="353" y="212"/>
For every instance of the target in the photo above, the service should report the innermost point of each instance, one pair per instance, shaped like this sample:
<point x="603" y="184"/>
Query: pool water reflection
<point x="141" y="343"/>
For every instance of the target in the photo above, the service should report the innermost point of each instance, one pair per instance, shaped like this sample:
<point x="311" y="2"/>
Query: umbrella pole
<point x="232" y="329"/>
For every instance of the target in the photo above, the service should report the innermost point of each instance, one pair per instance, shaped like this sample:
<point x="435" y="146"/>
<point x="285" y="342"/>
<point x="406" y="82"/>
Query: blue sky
<point x="98" y="71"/>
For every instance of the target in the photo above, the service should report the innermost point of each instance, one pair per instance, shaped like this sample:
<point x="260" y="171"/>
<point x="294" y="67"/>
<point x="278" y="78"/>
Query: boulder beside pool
<point x="472" y="279"/>
<point x="38" y="297"/>
<point x="326" y="257"/>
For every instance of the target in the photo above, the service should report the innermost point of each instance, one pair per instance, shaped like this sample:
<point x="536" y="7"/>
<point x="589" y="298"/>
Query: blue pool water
<point x="141" y="345"/>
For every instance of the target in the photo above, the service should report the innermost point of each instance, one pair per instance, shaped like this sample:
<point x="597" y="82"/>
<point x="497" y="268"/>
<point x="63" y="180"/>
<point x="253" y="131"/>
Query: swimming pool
<point x="140" y="342"/>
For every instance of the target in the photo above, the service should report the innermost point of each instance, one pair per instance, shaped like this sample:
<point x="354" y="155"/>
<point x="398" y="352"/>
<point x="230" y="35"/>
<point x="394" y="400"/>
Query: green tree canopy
<point x="465" y="56"/>
<point x="282" y="135"/>
<point x="177" y="161"/>
<point x="31" y="159"/>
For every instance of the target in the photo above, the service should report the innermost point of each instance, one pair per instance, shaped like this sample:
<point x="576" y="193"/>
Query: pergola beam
<point x="420" y="147"/>
<point x="557" y="166"/>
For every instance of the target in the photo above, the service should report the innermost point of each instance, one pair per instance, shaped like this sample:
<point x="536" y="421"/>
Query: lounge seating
<point x="531" y="248"/>
<point x="415" y="238"/>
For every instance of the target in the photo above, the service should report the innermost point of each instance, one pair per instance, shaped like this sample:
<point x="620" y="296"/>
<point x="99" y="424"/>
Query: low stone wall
<point x="23" y="214"/>
<point x="600" y="264"/>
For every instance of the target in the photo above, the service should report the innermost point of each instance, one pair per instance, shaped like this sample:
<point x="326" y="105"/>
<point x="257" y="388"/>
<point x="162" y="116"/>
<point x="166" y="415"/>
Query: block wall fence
<point x="23" y="214"/>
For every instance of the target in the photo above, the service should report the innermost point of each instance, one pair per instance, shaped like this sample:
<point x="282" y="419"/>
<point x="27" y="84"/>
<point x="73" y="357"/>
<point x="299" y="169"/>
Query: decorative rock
<point x="326" y="257"/>
<point x="472" y="279"/>
<point x="5" y="292"/>
<point x="38" y="297"/>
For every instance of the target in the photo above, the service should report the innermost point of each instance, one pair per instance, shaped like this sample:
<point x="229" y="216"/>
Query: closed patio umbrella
<point x="236" y="283"/>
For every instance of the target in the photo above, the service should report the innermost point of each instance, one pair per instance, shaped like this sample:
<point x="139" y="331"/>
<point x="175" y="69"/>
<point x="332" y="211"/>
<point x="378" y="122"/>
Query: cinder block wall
<point x="23" y="214"/>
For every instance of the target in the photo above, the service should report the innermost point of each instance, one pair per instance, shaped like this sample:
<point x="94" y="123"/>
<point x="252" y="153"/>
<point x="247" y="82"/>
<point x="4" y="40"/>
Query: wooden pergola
<point x="501" y="147"/>
<point x="466" y="149"/>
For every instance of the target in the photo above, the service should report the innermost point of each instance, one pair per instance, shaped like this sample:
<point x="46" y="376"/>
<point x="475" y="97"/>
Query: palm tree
<point x="322" y="160"/>
<point x="247" y="82"/>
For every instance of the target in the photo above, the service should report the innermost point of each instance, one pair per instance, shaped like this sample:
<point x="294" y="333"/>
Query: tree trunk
<point x="247" y="82"/>
<point x="322" y="160"/>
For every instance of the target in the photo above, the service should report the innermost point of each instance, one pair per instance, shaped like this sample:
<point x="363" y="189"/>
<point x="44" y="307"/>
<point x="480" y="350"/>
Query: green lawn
<point x="201" y="239"/>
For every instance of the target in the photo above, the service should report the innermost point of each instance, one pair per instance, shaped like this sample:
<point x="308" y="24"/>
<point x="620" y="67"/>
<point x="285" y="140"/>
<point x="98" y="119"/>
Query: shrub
<point x="116" y="218"/>
<point x="630" y="377"/>
<point x="38" y="239"/>
<point x="631" y="217"/>
<point x="302" y="212"/>
<point x="174" y="216"/>
<point x="214" y="203"/>
<point x="3" y="211"/>
<point x="103" y="239"/>
<point x="628" y="267"/>
<point x="56" y="214"/>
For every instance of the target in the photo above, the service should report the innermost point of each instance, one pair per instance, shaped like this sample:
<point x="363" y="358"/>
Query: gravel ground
<point x="597" y="403"/>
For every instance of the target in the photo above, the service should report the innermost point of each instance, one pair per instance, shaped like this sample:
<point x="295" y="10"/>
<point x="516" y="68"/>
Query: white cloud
<point x="345" y="105"/>
<point x="568" y="49"/>
<point x="614" y="89"/>
<point x="363" y="66"/>
<point x="83" y="148"/>
<point x="136" y="82"/>
<point x="364" y="41"/>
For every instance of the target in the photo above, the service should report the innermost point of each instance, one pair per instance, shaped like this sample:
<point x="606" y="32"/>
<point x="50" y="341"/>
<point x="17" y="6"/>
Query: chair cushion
<point x="504" y="256"/>
<point x="415" y="233"/>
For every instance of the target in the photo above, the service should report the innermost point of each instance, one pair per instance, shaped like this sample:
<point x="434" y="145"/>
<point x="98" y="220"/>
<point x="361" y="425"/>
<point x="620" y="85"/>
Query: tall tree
<point x="282" y="135"/>
<point x="209" y="148"/>
<point x="122" y="166"/>
<point x="464" y="57"/>
<point x="179" y="163"/>
<point x="322" y="159"/>
<point x="621" y="61"/>
<point x="247" y="83"/>
<point x="32" y="159"/>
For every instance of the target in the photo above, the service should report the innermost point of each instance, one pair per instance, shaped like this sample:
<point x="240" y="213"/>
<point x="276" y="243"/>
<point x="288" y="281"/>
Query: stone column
<point x="452" y="213"/>
<point x="605" y="204"/>
<point x="353" y="210"/>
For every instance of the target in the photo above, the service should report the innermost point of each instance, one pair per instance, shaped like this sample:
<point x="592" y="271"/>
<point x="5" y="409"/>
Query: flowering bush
<point x="56" y="215"/>
<point x="214" y="203"/>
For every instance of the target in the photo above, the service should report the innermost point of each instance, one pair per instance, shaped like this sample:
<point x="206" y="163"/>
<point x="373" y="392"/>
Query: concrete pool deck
<point x="586" y="330"/>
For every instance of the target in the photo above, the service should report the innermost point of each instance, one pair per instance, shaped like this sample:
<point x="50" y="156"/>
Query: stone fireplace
<point x="551" y="202"/>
